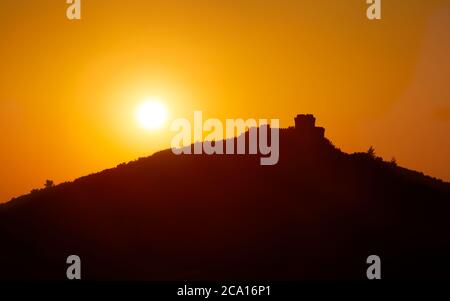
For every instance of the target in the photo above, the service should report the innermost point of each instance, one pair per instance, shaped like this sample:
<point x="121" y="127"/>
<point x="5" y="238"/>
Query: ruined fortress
<point x="305" y="124"/>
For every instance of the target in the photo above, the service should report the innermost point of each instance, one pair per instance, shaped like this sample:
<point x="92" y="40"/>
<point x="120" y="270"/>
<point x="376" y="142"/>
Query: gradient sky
<point x="69" y="89"/>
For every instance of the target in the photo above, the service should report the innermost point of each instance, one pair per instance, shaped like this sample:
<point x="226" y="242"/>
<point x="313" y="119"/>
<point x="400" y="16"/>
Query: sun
<point x="151" y="114"/>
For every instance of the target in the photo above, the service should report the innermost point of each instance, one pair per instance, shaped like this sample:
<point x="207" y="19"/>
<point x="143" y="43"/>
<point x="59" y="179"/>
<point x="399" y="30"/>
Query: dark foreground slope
<point x="318" y="214"/>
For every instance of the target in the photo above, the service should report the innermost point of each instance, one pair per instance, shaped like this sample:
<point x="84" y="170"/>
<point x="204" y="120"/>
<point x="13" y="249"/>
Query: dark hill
<point x="317" y="214"/>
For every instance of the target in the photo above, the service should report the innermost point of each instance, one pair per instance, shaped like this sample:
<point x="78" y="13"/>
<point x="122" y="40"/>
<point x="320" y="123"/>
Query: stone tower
<point x="305" y="124"/>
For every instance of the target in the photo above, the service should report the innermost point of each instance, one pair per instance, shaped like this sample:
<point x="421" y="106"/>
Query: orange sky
<point x="69" y="89"/>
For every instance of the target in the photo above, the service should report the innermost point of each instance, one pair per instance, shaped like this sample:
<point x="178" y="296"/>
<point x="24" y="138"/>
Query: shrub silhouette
<point x="49" y="184"/>
<point x="393" y="161"/>
<point x="371" y="152"/>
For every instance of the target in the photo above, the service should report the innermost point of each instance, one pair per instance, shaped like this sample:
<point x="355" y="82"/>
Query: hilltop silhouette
<point x="317" y="214"/>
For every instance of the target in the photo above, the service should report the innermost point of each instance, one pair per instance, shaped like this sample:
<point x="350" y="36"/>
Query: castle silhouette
<point x="306" y="124"/>
<point x="305" y="127"/>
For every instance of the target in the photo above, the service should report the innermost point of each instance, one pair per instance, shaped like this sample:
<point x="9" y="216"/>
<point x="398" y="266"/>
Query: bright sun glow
<point x="151" y="114"/>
